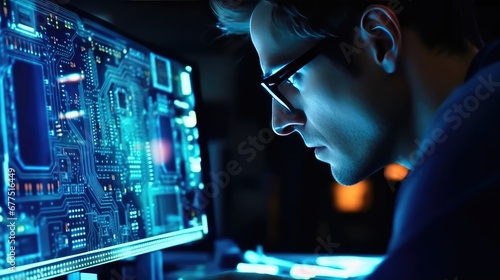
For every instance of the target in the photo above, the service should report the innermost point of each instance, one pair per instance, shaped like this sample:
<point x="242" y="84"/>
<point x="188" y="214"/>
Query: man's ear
<point x="381" y="31"/>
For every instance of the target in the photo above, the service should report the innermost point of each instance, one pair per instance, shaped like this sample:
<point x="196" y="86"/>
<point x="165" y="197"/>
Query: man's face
<point x="352" y="122"/>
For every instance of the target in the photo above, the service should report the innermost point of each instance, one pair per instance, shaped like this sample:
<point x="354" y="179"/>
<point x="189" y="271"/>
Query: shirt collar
<point x="487" y="55"/>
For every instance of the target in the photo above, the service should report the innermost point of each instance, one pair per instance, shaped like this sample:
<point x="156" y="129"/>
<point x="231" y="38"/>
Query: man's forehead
<point x="275" y="46"/>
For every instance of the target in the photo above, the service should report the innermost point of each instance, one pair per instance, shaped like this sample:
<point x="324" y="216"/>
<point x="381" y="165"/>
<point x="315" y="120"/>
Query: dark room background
<point x="283" y="199"/>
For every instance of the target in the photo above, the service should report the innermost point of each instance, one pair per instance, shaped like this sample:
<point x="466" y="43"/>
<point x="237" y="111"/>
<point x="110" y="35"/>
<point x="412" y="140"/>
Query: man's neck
<point x="431" y="77"/>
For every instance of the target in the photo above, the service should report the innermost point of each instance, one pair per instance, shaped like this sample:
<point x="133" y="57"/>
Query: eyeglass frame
<point x="272" y="82"/>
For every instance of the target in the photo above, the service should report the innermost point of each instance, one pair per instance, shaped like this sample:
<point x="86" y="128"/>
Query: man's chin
<point x="346" y="177"/>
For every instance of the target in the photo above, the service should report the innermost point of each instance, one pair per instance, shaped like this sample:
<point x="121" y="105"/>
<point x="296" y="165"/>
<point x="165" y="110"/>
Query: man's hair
<point x="443" y="25"/>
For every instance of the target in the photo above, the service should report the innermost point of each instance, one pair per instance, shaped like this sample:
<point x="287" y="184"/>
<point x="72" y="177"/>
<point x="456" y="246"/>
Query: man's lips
<point x="318" y="151"/>
<point x="317" y="147"/>
<point x="312" y="145"/>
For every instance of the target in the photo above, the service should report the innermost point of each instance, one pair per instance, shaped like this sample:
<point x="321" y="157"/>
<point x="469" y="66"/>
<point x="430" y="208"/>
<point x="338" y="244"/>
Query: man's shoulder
<point x="456" y="165"/>
<point x="468" y="120"/>
<point x="478" y="96"/>
<point x="462" y="140"/>
<point x="461" y="147"/>
<point x="451" y="196"/>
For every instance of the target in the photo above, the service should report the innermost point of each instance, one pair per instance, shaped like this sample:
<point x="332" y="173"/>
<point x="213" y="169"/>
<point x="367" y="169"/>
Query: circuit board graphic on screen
<point x="99" y="148"/>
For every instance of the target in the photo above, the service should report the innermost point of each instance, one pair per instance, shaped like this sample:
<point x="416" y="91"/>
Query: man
<point x="368" y="83"/>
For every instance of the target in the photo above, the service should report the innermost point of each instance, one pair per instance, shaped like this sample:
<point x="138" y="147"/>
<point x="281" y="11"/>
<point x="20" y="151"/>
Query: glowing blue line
<point x="181" y="104"/>
<point x="354" y="265"/>
<point x="258" y="268"/>
<point x="186" y="83"/>
<point x="25" y="27"/>
<point x="204" y="220"/>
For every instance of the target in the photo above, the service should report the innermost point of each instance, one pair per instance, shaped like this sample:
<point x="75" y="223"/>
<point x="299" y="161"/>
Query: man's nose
<point x="285" y="122"/>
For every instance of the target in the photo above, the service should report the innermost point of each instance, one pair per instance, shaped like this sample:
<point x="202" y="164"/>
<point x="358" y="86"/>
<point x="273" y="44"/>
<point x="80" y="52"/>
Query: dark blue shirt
<point x="447" y="215"/>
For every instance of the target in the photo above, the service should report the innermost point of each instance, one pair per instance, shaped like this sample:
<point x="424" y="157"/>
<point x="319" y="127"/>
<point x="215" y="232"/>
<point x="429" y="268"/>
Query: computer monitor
<point x="99" y="147"/>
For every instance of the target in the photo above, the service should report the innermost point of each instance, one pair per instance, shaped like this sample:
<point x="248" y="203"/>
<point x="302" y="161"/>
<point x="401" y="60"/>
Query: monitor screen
<point x="99" y="151"/>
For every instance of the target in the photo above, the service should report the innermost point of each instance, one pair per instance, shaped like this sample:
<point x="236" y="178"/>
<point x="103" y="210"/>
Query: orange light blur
<point x="395" y="172"/>
<point x="355" y="198"/>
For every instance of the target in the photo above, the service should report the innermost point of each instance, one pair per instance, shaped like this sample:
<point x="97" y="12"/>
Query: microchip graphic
<point x="25" y="19"/>
<point x="121" y="96"/>
<point x="26" y="245"/>
<point x="122" y="100"/>
<point x="32" y="127"/>
<point x="25" y="16"/>
<point x="165" y="215"/>
<point x="161" y="72"/>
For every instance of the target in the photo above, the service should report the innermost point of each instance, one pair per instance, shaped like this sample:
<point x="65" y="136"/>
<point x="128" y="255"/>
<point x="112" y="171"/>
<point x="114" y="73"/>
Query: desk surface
<point x="201" y="265"/>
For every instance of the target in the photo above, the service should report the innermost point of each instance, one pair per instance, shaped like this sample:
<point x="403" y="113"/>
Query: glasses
<point x="276" y="83"/>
